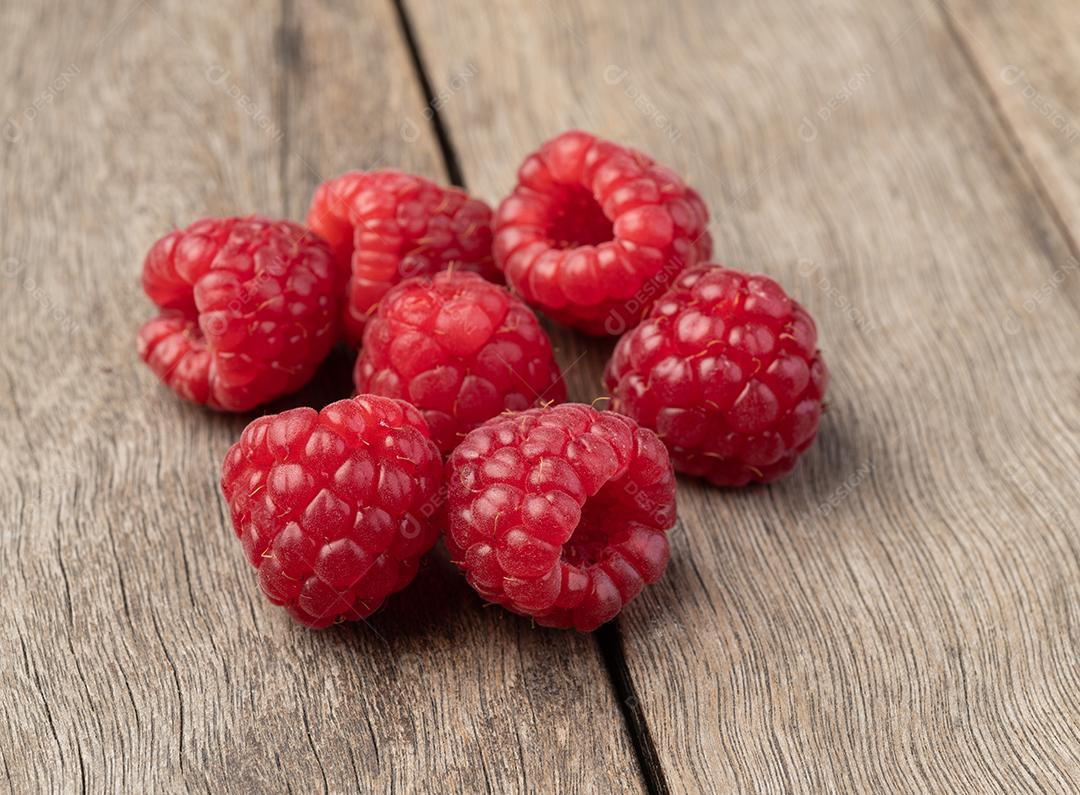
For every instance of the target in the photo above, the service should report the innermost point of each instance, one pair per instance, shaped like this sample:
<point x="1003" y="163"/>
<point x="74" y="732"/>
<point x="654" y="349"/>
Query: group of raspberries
<point x="558" y="511"/>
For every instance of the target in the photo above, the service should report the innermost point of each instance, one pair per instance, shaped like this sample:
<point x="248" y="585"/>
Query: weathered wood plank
<point x="1028" y="56"/>
<point x="138" y="655"/>
<point x="901" y="613"/>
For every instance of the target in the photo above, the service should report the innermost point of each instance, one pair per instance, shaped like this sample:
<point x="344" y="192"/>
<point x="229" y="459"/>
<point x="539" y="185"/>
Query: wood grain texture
<point x="137" y="653"/>
<point x="1028" y="56"/>
<point x="901" y="613"/>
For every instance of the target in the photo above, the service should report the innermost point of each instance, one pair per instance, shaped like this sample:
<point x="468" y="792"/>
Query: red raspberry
<point x="560" y="513"/>
<point x="726" y="369"/>
<point x="389" y="226"/>
<point x="249" y="306"/>
<point x="593" y="232"/>
<point x="335" y="508"/>
<point x="461" y="350"/>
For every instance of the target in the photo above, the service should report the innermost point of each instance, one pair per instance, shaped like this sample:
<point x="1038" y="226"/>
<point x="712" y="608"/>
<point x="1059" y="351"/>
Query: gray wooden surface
<point x="900" y="614"/>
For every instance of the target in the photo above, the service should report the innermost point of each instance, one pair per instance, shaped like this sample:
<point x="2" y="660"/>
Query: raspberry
<point x="593" y="232"/>
<point x="560" y="513"/>
<point x="726" y="369"/>
<point x="389" y="226"/>
<point x="335" y="508"/>
<point x="250" y="308"/>
<point x="461" y="350"/>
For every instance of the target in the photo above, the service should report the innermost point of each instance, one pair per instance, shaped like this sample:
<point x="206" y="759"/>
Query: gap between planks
<point x="608" y="638"/>
<point x="1038" y="184"/>
<point x="442" y="135"/>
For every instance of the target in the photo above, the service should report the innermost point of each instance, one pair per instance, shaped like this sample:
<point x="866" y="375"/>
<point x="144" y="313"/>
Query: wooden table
<point x="901" y="614"/>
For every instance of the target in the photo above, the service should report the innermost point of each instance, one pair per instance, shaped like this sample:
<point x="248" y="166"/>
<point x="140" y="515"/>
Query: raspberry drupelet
<point x="335" y="507"/>
<point x="593" y="232"/>
<point x="249" y="308"/>
<point x="726" y="369"/>
<point x="385" y="226"/>
<point x="461" y="350"/>
<point x="560" y="513"/>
